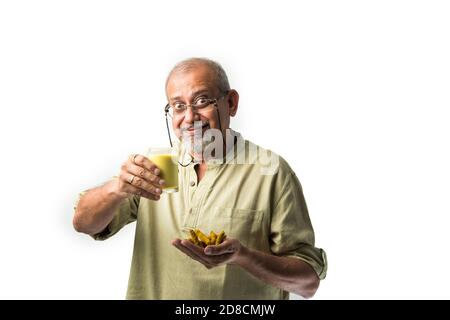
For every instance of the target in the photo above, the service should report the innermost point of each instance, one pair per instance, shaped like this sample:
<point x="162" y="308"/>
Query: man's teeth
<point x="202" y="127"/>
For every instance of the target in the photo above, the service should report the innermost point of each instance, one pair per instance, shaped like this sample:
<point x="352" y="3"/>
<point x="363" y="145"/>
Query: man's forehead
<point x="189" y="93"/>
<point x="189" y="83"/>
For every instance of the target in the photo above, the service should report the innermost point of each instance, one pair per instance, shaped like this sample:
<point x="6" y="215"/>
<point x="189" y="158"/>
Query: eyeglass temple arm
<point x="166" y="110"/>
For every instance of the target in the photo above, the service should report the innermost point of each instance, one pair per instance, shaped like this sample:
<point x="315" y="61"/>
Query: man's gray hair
<point x="220" y="77"/>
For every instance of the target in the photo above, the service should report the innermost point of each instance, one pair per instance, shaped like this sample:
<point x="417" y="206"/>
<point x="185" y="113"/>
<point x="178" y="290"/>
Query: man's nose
<point x="190" y="116"/>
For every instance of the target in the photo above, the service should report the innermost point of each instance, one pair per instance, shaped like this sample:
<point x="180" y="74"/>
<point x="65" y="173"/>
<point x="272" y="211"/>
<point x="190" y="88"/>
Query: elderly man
<point x="269" y="249"/>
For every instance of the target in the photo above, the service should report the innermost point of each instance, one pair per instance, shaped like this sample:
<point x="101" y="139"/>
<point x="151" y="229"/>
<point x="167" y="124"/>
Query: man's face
<point x="188" y="88"/>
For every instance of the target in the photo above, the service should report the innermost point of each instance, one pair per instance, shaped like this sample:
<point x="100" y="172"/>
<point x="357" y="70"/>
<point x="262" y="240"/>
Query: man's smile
<point x="191" y="130"/>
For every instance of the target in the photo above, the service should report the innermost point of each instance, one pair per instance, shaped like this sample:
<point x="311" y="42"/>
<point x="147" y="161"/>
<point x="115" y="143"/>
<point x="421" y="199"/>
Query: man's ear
<point x="233" y="101"/>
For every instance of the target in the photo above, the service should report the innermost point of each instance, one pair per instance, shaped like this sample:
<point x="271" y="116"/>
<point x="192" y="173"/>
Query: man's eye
<point x="201" y="101"/>
<point x="178" y="106"/>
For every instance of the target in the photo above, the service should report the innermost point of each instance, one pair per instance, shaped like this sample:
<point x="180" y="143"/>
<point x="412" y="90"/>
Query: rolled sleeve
<point x="125" y="214"/>
<point x="292" y="233"/>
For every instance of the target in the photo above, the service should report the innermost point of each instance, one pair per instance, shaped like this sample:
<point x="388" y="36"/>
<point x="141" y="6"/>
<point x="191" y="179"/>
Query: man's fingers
<point x="212" y="260"/>
<point x="197" y="253"/>
<point x="144" y="162"/>
<point x="145" y="174"/>
<point x="140" y="183"/>
<point x="144" y="185"/>
<point x="193" y="248"/>
<point x="188" y="252"/>
<point x="141" y="173"/>
<point x="139" y="176"/>
<point x="128" y="188"/>
<point x="225" y="247"/>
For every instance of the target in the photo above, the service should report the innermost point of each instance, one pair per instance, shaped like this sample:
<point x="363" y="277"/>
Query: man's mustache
<point x="196" y="125"/>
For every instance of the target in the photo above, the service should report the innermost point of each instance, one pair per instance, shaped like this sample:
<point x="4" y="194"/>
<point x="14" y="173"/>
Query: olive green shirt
<point x="266" y="212"/>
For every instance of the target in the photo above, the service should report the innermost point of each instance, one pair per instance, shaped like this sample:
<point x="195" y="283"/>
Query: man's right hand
<point x="139" y="176"/>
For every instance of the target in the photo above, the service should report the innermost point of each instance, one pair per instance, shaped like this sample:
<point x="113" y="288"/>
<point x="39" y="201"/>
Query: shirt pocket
<point x="246" y="225"/>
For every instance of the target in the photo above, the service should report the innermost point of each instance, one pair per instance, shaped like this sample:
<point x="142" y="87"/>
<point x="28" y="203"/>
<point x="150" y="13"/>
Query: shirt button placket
<point x="190" y="219"/>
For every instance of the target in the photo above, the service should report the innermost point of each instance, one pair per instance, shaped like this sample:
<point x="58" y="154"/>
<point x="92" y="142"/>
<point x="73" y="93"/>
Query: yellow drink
<point x="169" y="171"/>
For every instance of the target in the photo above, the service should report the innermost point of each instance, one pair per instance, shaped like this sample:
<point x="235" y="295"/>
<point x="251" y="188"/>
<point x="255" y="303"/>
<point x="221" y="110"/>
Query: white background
<point x="354" y="94"/>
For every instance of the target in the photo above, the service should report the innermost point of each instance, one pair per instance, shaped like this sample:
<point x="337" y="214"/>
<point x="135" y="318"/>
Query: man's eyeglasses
<point x="201" y="105"/>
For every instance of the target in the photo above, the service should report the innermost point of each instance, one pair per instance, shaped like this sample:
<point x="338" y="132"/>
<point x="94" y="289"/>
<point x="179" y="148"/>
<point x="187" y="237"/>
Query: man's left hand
<point x="228" y="252"/>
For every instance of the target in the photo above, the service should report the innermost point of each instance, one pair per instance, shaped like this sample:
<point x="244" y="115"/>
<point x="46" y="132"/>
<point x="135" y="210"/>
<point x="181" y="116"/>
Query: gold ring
<point x="131" y="180"/>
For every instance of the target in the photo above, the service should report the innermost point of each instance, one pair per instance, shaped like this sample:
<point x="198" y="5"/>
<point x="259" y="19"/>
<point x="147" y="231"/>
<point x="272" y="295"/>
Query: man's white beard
<point x="194" y="146"/>
<point x="202" y="147"/>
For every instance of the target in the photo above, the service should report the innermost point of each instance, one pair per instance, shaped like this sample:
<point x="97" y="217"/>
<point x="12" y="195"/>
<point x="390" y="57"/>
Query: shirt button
<point x="192" y="183"/>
